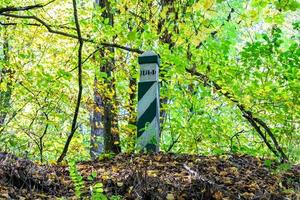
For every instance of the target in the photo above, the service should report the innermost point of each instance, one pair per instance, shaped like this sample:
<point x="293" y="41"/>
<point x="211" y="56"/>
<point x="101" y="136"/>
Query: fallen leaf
<point x="152" y="173"/>
<point x="248" y="195"/>
<point x="223" y="173"/>
<point x="218" y="195"/>
<point x="120" y="184"/>
<point x="170" y="196"/>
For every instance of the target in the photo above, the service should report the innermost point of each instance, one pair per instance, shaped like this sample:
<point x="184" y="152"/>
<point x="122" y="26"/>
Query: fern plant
<point x="76" y="178"/>
<point x="97" y="192"/>
<point x="96" y="189"/>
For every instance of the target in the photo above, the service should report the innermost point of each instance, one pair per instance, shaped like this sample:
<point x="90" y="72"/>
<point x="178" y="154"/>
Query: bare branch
<point x="14" y="114"/>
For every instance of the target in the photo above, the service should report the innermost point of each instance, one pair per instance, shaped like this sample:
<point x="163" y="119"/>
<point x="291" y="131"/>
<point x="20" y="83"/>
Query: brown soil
<point x="154" y="176"/>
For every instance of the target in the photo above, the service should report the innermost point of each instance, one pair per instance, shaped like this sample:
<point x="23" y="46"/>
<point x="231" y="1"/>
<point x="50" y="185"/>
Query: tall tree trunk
<point x="96" y="120"/>
<point x="104" y="123"/>
<point x="111" y="135"/>
<point x="5" y="76"/>
<point x="97" y="128"/>
<point x="132" y="96"/>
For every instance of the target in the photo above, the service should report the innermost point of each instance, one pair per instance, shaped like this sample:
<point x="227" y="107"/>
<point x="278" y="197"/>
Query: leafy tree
<point x="229" y="76"/>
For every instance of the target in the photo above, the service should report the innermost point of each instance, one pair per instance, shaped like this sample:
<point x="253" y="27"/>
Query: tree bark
<point x="132" y="96"/>
<point x="5" y="75"/>
<point x="105" y="103"/>
<point x="97" y="129"/>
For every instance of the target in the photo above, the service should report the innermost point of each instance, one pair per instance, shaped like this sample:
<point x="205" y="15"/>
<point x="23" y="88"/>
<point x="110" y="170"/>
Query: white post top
<point x="148" y="53"/>
<point x="149" y="57"/>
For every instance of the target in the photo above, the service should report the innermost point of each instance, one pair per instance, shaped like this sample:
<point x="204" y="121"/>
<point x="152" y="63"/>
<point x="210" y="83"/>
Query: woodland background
<point x="229" y="76"/>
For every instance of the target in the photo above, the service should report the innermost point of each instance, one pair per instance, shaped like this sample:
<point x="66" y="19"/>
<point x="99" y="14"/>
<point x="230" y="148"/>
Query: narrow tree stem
<point x="79" y="67"/>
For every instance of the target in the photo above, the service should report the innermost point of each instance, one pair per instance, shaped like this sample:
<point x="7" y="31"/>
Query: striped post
<point x="148" y="103"/>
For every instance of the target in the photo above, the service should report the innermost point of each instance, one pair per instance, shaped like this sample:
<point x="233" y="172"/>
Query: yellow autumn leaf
<point x="97" y="109"/>
<point x="170" y="196"/>
<point x="208" y="4"/>
<point x="197" y="6"/>
<point x="218" y="195"/>
<point x="114" y="169"/>
<point x="152" y="173"/>
<point x="105" y="177"/>
<point x="253" y="14"/>
<point x="120" y="184"/>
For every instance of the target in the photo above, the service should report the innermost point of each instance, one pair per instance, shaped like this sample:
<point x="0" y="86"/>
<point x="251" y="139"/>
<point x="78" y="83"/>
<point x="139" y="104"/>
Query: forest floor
<point x="154" y="176"/>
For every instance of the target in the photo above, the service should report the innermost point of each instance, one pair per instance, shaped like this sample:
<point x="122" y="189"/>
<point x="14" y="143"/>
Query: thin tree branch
<point x="235" y="135"/>
<point x="12" y="117"/>
<point x="144" y="20"/>
<point x="24" y="8"/>
<point x="34" y="24"/>
<point x="41" y="144"/>
<point x="48" y="27"/>
<point x="256" y="123"/>
<point x="173" y="143"/>
<point x="136" y="50"/>
<point x="213" y="33"/>
<point x="272" y="136"/>
<point x="51" y="30"/>
<point x="258" y="130"/>
<point x="79" y="66"/>
<point x="108" y="45"/>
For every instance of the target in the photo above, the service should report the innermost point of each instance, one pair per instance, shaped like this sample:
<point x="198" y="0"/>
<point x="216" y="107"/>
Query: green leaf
<point x="94" y="174"/>
<point x="98" y="185"/>
<point x="90" y="178"/>
<point x="131" y="36"/>
<point x="268" y="163"/>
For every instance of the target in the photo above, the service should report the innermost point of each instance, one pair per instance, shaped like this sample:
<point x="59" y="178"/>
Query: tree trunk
<point x="5" y="76"/>
<point x="97" y="129"/>
<point x="132" y="96"/>
<point x="104" y="125"/>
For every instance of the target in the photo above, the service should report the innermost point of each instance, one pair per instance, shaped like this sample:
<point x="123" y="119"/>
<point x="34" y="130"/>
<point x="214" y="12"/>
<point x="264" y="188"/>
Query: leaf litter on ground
<point x="153" y="176"/>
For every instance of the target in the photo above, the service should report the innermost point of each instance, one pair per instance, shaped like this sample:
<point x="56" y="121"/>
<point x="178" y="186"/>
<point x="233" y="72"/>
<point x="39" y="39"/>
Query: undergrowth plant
<point x="76" y="178"/>
<point x="97" y="192"/>
<point x="96" y="189"/>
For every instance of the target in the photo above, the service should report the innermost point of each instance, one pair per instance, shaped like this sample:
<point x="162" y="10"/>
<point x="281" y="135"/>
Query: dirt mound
<point x="154" y="176"/>
<point x="20" y="178"/>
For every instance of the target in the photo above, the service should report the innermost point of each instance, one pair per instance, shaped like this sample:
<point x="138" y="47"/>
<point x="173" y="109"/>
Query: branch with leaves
<point x="256" y="123"/>
<point x="69" y="35"/>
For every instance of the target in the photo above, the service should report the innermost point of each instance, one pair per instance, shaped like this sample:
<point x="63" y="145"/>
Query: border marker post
<point x="148" y="127"/>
